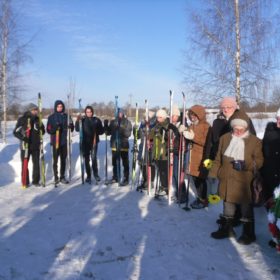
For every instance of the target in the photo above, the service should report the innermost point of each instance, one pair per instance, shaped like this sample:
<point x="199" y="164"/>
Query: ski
<point x="26" y="154"/>
<point x="81" y="144"/>
<point x="181" y="172"/>
<point x="69" y="141"/>
<point x="135" y="148"/>
<point x="170" y="151"/>
<point x="42" y="155"/>
<point x="147" y="148"/>
<point x="118" y="151"/>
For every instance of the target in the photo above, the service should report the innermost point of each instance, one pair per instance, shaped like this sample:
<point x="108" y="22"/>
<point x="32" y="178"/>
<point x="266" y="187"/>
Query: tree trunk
<point x="237" y="53"/>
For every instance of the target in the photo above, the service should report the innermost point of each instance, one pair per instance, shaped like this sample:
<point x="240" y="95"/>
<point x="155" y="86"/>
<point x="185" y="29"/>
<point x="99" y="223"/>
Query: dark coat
<point x="21" y="128"/>
<point x="271" y="151"/>
<point x="234" y="186"/>
<point x="92" y="128"/>
<point x="120" y="131"/>
<point x="222" y="126"/>
<point x="58" y="121"/>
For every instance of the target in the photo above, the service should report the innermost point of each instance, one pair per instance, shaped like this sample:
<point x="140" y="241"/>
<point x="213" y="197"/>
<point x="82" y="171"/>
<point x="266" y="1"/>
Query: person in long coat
<point x="198" y="134"/>
<point x="271" y="151"/>
<point x="239" y="153"/>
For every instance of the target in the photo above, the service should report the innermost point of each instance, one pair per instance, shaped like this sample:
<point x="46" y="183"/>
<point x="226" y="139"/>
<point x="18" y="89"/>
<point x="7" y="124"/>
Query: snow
<point x="107" y="232"/>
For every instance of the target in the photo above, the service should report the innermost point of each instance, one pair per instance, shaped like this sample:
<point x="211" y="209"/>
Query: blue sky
<point x="109" y="47"/>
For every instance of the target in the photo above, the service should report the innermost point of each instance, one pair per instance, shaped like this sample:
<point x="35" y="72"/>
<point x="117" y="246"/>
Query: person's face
<point x="89" y="113"/>
<point x="59" y="108"/>
<point x="238" y="131"/>
<point x="160" y="119"/>
<point x="34" y="112"/>
<point x="278" y="122"/>
<point x="120" y="115"/>
<point x="228" y="110"/>
<point x="175" y="118"/>
<point x="193" y="117"/>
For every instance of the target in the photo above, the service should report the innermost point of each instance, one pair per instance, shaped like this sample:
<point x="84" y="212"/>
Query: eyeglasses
<point x="226" y="107"/>
<point x="239" y="130"/>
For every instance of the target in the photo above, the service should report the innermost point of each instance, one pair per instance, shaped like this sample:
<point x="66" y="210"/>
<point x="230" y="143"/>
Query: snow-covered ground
<point x="106" y="232"/>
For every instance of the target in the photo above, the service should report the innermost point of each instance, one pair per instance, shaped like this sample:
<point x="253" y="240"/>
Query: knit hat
<point x="229" y="101"/>
<point x="161" y="113"/>
<point x="278" y="113"/>
<point x="31" y="106"/>
<point x="175" y="110"/>
<point x="239" y="118"/>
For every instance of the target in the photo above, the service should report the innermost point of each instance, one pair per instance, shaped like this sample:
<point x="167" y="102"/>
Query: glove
<point x="188" y="134"/>
<point x="208" y="163"/>
<point x="25" y="139"/>
<point x="238" y="165"/>
<point x="106" y="123"/>
<point x="182" y="128"/>
<point x="71" y="126"/>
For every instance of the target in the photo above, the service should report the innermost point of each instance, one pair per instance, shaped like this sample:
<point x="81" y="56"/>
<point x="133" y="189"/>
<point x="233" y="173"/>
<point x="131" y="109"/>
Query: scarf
<point x="236" y="147"/>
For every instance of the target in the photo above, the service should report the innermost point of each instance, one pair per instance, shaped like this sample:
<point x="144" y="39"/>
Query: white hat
<point x="175" y="110"/>
<point x="161" y="113"/>
<point x="239" y="122"/>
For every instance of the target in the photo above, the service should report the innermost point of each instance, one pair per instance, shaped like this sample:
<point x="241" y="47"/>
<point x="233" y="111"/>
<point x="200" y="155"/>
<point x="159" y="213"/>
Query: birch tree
<point x="232" y="44"/>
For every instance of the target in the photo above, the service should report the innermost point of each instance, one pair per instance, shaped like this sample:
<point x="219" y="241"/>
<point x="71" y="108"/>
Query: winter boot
<point x="225" y="229"/>
<point x="248" y="234"/>
<point x="124" y="182"/>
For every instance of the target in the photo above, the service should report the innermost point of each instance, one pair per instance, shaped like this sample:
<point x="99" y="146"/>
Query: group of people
<point x="227" y="152"/>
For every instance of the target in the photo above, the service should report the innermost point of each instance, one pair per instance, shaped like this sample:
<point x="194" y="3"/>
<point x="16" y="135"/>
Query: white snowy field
<point x="107" y="232"/>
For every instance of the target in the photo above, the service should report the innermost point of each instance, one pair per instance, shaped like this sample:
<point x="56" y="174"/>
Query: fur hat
<point x="161" y="113"/>
<point x="31" y="106"/>
<point x="278" y="113"/>
<point x="239" y="118"/>
<point x="229" y="101"/>
<point x="175" y="110"/>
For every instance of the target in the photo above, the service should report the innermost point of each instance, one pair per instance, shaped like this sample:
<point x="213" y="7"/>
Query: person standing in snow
<point x="198" y="134"/>
<point x="143" y="150"/>
<point x="20" y="132"/>
<point x="271" y="152"/>
<point x="173" y="125"/>
<point x="271" y="173"/>
<point x="159" y="136"/>
<point x="92" y="128"/>
<point x="120" y="130"/>
<point x="57" y="128"/>
<point x="239" y="153"/>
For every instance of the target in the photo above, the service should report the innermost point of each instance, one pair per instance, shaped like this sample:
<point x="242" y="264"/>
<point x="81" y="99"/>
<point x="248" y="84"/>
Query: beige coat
<point x="234" y="186"/>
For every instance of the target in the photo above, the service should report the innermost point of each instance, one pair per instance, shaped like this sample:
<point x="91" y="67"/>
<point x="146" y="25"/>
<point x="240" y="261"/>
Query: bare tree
<point x="231" y="49"/>
<point x="12" y="56"/>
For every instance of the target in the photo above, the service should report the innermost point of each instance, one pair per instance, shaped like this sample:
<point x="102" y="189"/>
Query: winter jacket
<point x="200" y="144"/>
<point x="222" y="126"/>
<point x="120" y="131"/>
<point x="92" y="128"/>
<point x="271" y="151"/>
<point x="159" y="138"/>
<point x="58" y="121"/>
<point x="234" y="186"/>
<point x="21" y="128"/>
